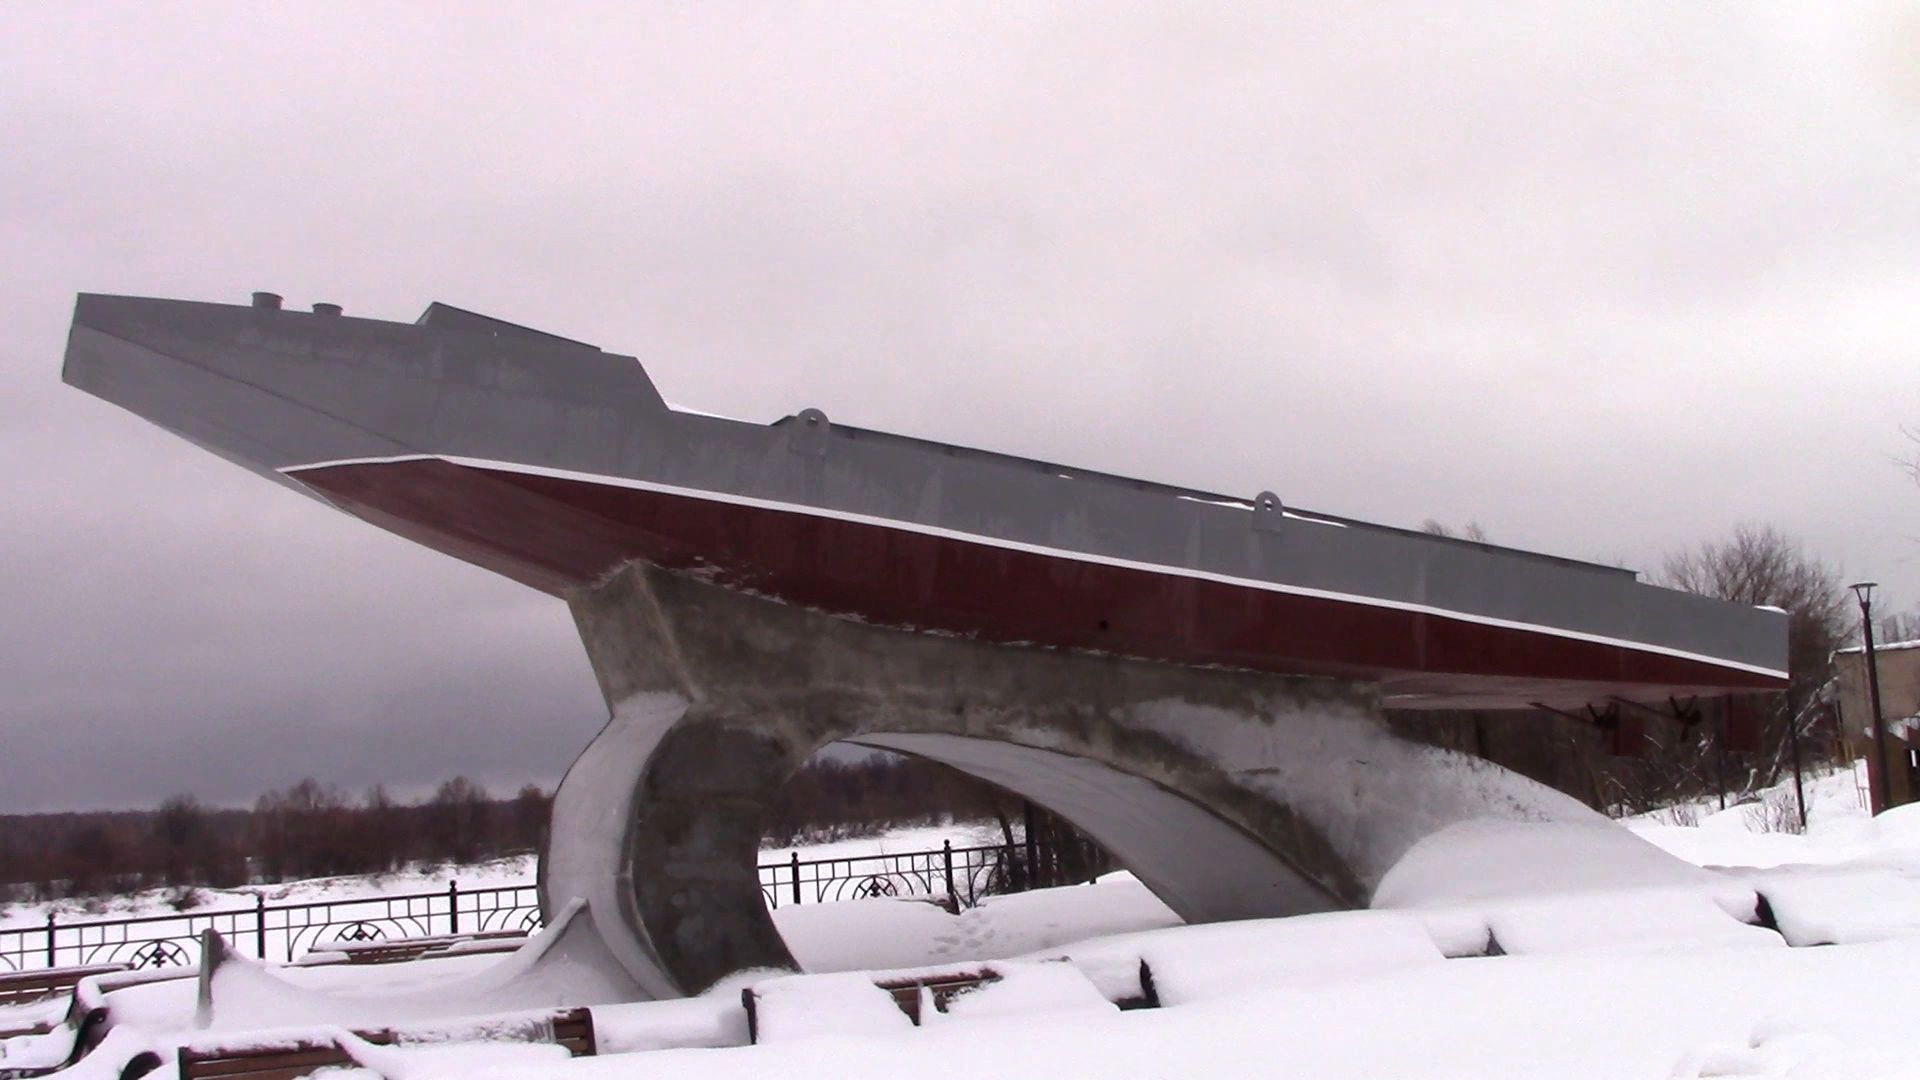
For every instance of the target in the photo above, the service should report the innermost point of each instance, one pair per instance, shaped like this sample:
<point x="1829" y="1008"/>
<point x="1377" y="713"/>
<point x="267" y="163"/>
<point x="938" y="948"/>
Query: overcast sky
<point x="1606" y="280"/>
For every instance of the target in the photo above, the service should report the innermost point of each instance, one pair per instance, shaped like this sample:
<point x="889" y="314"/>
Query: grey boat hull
<point x="555" y="463"/>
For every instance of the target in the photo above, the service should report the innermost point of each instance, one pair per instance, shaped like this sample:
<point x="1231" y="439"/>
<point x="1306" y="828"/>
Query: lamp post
<point x="1863" y="590"/>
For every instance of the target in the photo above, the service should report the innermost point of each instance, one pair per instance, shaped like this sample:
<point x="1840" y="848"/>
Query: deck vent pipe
<point x="329" y="310"/>
<point x="268" y="300"/>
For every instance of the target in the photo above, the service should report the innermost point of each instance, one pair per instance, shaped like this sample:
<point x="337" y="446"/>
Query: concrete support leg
<point x="717" y="697"/>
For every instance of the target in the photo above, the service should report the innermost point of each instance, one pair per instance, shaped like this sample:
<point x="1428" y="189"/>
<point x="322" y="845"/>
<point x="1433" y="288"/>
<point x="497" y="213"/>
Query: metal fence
<point x="955" y="877"/>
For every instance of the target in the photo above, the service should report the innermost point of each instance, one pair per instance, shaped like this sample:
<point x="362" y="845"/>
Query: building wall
<point x="1899" y="699"/>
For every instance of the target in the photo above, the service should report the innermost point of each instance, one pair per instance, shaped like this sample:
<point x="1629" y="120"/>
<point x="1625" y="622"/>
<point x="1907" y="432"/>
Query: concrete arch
<point x="1203" y="867"/>
<point x="1208" y="783"/>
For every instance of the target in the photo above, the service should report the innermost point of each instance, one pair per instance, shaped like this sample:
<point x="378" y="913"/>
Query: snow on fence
<point x="958" y="877"/>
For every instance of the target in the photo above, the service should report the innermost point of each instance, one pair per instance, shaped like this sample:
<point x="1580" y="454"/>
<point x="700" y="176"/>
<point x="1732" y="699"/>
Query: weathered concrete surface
<point x="717" y="697"/>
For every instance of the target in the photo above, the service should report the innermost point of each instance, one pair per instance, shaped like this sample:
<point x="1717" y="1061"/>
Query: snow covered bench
<point x="399" y="950"/>
<point x="795" y="1006"/>
<point x="908" y="991"/>
<point x="287" y="1059"/>
<point x="83" y="1025"/>
<point x="26" y="986"/>
<point x="282" y="1062"/>
<point x="938" y="987"/>
<point x="39" y="1025"/>
<point x="58" y="1038"/>
<point x="55" y="1046"/>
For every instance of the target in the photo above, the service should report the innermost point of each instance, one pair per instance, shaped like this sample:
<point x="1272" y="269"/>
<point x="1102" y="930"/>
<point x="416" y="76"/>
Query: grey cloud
<point x="1606" y="279"/>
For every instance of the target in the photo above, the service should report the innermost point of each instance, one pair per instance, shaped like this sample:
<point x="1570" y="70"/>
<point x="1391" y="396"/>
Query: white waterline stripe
<point x="1038" y="549"/>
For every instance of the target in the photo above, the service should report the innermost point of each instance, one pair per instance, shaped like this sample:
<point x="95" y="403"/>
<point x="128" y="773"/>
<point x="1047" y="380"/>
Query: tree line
<point x="835" y="799"/>
<point x="313" y="830"/>
<point x="307" y="830"/>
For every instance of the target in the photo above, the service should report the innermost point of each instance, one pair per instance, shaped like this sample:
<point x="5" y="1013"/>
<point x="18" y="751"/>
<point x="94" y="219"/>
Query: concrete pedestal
<point x="717" y="697"/>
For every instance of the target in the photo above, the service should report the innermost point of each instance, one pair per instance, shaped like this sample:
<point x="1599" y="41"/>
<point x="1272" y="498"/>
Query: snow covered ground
<point x="1528" y="965"/>
<point x="1839" y="829"/>
<point x="878" y="934"/>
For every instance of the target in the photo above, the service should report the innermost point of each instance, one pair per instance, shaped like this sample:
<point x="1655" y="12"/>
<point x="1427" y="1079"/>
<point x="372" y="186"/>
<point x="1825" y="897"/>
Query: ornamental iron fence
<point x="954" y="877"/>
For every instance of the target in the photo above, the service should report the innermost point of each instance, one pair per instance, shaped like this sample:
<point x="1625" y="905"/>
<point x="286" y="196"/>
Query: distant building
<point x="1899" y="665"/>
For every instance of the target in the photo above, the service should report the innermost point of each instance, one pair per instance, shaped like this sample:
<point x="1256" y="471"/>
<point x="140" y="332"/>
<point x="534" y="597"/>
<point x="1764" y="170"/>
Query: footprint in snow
<point x="1775" y="1049"/>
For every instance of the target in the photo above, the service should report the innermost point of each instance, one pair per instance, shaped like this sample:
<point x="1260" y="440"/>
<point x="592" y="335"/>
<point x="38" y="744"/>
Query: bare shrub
<point x="1686" y="814"/>
<point x="1775" y="812"/>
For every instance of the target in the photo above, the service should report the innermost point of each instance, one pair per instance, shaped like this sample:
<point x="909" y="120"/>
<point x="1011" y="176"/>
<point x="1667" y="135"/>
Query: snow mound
<point x="1475" y="862"/>
<point x="1536" y="887"/>
<point x="1198" y="963"/>
<point x="863" y="935"/>
<point x="565" y="964"/>
<point x="1624" y="921"/>
<point x="1897" y="829"/>
<point x="1842" y="908"/>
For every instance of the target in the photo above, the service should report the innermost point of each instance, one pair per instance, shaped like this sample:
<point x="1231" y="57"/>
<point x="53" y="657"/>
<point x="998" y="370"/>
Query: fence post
<point x="50" y="962"/>
<point x="946" y="857"/>
<point x="1033" y="879"/>
<point x="795" y="864"/>
<point x="260" y="926"/>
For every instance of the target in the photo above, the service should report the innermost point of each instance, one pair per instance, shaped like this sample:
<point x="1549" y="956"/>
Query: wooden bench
<point x="263" y="1062"/>
<point x="907" y="993"/>
<point x="88" y="1027"/>
<point x="387" y="952"/>
<point x="87" y="1019"/>
<point x="572" y="1029"/>
<point x="25" y="987"/>
<point x="399" y="950"/>
<point x="38" y="1027"/>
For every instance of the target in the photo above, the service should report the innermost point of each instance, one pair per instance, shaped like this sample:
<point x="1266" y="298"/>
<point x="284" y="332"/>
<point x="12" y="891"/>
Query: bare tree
<point x="94" y="855"/>
<point x="531" y="809"/>
<point x="383" y="830"/>
<point x="301" y="832"/>
<point x="1761" y="566"/>
<point x="180" y="837"/>
<point x="1901" y="626"/>
<point x="458" y="821"/>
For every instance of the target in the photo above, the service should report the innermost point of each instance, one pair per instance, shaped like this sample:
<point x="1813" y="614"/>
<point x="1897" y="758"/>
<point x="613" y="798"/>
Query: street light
<point x="1864" y="591"/>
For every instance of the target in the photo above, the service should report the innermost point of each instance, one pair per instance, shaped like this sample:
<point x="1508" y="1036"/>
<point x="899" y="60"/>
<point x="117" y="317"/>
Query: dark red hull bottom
<point x="558" y="534"/>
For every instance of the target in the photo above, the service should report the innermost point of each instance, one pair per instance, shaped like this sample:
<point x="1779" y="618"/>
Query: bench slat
<point x="305" y="1057"/>
<point x="25" y="987"/>
<point x="572" y="1029"/>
